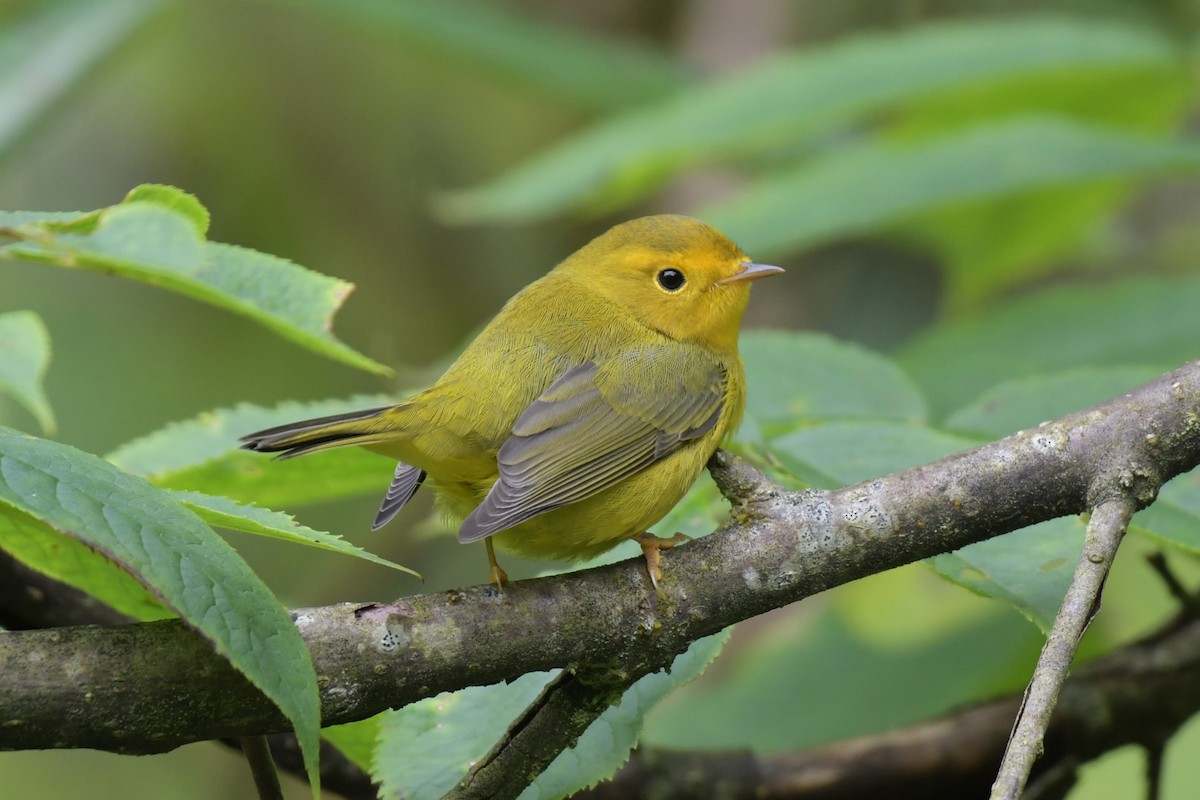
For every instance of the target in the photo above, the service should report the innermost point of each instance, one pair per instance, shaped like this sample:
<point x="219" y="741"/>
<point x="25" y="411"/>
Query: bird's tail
<point x="364" y="427"/>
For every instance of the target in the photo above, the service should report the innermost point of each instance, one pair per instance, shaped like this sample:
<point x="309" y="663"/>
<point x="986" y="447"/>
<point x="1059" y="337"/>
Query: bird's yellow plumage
<point x="584" y="411"/>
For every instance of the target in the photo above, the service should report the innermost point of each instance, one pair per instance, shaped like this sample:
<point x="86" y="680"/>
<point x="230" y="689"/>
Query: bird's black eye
<point x="671" y="279"/>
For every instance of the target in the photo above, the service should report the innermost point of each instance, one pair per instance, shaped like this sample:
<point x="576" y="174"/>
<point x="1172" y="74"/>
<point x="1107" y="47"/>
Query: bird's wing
<point x="596" y="425"/>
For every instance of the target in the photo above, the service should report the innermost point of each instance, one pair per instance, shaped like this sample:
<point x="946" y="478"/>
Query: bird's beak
<point x="751" y="272"/>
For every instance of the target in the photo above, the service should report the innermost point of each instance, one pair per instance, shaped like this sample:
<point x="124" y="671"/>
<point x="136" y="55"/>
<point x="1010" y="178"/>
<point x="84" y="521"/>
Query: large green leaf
<point x="989" y="245"/>
<point x="605" y="745"/>
<point x="1023" y="403"/>
<point x="1138" y="321"/>
<point x="426" y="747"/>
<point x="1030" y="569"/>
<point x="590" y="72"/>
<point x="49" y="48"/>
<point x="796" y="379"/>
<point x="70" y="561"/>
<point x="157" y="235"/>
<point x="24" y="356"/>
<point x="1143" y="97"/>
<point x="841" y="453"/>
<point x="170" y="551"/>
<point x="254" y="478"/>
<point x="814" y="678"/>
<point x="201" y="454"/>
<point x="877" y="184"/>
<point x="225" y="513"/>
<point x="356" y="740"/>
<point x="793" y="97"/>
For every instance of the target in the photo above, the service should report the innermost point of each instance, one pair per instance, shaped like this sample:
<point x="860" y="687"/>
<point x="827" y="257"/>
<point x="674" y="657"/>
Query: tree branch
<point x="29" y="599"/>
<point x="117" y="688"/>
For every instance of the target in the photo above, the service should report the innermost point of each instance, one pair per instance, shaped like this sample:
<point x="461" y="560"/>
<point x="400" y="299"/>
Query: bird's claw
<point x="652" y="547"/>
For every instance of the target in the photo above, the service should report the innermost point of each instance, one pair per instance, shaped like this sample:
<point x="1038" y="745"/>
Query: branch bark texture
<point x="120" y="688"/>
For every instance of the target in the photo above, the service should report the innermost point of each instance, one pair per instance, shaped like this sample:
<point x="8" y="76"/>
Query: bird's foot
<point x="652" y="547"/>
<point x="496" y="574"/>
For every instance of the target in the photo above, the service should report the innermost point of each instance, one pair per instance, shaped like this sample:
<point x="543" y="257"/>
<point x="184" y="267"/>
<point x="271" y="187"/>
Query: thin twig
<point x="1154" y="769"/>
<point x="262" y="767"/>
<point x="1105" y="531"/>
<point x="552" y="723"/>
<point x="1188" y="601"/>
<point x="339" y="775"/>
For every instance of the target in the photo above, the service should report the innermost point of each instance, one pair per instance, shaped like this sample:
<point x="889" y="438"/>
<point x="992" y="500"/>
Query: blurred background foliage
<point x="999" y="197"/>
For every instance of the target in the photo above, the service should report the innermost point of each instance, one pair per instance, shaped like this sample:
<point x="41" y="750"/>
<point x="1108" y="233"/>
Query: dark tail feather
<point x="310" y="435"/>
<point x="404" y="485"/>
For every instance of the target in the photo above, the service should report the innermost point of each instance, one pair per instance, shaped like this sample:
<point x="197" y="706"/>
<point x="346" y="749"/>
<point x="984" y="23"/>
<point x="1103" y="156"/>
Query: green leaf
<point x="201" y="454"/>
<point x="1174" y="518"/>
<point x="605" y="745"/>
<point x="790" y="99"/>
<point x="795" y="379"/>
<point x="176" y="556"/>
<point x="1024" y="403"/>
<point x="24" y="356"/>
<point x="70" y="561"/>
<point x="427" y="746"/>
<point x="1030" y="569"/>
<point x="821" y="679"/>
<point x="356" y="740"/>
<point x="843" y="453"/>
<point x="47" y="50"/>
<point x="212" y="434"/>
<point x="156" y="236"/>
<point x="14" y="219"/>
<point x="588" y="71"/>
<point x="1143" y="321"/>
<point x="254" y="478"/>
<point x="990" y="245"/>
<point x="1146" y="97"/>
<point x="876" y="184"/>
<point x="169" y="197"/>
<point x="225" y="513"/>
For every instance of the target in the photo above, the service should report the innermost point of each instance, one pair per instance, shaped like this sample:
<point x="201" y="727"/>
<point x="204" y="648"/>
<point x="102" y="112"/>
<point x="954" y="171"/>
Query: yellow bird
<point x="583" y="412"/>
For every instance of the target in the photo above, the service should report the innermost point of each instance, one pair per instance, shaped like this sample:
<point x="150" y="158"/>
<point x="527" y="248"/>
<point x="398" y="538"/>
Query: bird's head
<point x="675" y="274"/>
